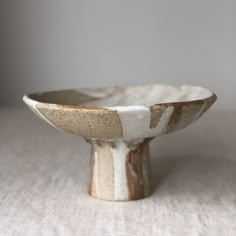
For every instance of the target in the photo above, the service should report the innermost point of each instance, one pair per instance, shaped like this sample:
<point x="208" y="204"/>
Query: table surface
<point x="44" y="176"/>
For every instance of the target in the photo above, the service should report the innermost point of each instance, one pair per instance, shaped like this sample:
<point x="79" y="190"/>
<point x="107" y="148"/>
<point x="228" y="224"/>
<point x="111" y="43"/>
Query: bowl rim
<point x="30" y="101"/>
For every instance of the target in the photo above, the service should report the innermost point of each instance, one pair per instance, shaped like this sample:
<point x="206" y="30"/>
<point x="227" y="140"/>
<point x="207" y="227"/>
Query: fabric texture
<point x="44" y="175"/>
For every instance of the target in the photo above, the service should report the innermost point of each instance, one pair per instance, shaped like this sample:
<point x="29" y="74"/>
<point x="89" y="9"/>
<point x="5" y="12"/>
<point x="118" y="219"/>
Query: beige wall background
<point x="55" y="44"/>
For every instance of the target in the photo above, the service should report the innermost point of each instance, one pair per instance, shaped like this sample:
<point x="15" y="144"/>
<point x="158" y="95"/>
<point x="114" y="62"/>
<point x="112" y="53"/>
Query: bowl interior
<point x="124" y="95"/>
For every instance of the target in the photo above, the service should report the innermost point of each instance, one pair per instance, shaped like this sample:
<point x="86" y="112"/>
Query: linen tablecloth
<point x="44" y="176"/>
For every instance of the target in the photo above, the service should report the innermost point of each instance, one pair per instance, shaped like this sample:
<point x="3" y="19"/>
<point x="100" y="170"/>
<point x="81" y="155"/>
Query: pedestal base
<point x="120" y="170"/>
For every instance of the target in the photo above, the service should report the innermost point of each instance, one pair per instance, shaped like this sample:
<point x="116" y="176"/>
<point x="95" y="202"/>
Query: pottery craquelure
<point x="119" y="122"/>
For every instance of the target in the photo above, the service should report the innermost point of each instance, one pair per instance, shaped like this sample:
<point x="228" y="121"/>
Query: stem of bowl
<point x="120" y="170"/>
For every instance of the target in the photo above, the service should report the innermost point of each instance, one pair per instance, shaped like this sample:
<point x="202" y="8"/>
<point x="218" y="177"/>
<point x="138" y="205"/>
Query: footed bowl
<point x="119" y="122"/>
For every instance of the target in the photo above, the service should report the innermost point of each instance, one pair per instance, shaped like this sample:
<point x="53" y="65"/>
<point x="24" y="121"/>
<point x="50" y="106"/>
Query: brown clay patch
<point x="156" y="113"/>
<point x="209" y="101"/>
<point x="175" y="118"/>
<point x="134" y="171"/>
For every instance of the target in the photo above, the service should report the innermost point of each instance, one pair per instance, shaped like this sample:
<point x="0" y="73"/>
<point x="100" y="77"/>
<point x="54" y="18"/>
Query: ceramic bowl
<point x="119" y="122"/>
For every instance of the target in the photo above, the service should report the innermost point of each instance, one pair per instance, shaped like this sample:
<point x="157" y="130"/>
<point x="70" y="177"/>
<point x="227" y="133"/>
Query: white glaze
<point x="148" y="95"/>
<point x="96" y="173"/>
<point x="120" y="181"/>
<point x="136" y="121"/>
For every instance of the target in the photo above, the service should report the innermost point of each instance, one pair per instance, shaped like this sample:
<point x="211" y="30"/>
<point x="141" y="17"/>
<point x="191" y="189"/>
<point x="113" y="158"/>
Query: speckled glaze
<point x="119" y="122"/>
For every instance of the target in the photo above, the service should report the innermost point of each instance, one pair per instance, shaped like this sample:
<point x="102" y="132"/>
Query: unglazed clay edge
<point x="32" y="104"/>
